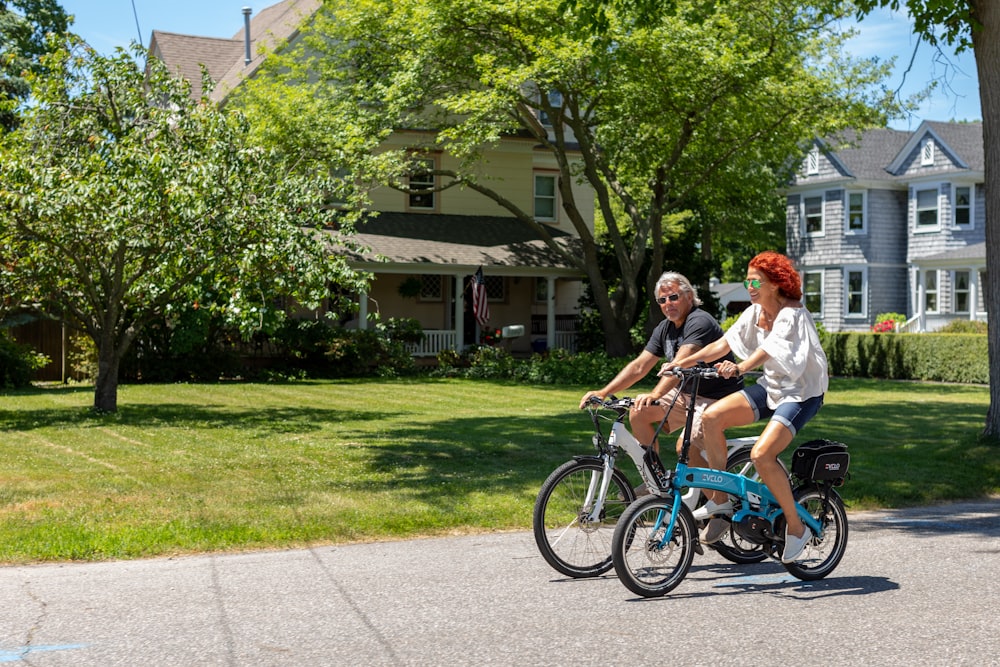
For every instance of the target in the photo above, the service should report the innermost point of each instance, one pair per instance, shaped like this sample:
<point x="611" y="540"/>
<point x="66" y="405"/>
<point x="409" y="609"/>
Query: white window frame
<point x="554" y="197"/>
<point x="955" y="292"/>
<point x="936" y="292"/>
<point x="806" y="294"/>
<point x="847" y="212"/>
<point x="812" y="162"/>
<point x="927" y="152"/>
<point x="863" y="292"/>
<point x="431" y="166"/>
<point x="822" y="213"/>
<point x="917" y="189"/>
<point x="971" y="206"/>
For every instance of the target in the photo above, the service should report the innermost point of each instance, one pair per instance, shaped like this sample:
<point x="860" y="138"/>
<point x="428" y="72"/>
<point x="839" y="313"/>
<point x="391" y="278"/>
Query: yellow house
<point x="425" y="247"/>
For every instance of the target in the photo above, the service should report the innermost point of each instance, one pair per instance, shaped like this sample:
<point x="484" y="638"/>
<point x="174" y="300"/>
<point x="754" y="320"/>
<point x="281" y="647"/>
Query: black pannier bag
<point x="821" y="460"/>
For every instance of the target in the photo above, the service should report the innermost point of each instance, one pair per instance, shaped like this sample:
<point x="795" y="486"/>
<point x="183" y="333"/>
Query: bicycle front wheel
<point x="648" y="561"/>
<point x="571" y="539"/>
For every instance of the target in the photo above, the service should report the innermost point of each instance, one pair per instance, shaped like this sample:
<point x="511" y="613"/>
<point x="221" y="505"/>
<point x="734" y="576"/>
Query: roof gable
<point x="225" y="58"/>
<point x="960" y="143"/>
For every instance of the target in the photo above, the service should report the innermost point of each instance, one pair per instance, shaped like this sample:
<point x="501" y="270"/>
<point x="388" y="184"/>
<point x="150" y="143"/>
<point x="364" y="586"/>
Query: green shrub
<point x="18" y="362"/>
<point x="964" y="326"/>
<point x="931" y="356"/>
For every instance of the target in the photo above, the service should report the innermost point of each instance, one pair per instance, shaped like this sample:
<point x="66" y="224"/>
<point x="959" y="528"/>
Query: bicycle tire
<point x="732" y="546"/>
<point x="646" y="568"/>
<point x="821" y="555"/>
<point x="566" y="538"/>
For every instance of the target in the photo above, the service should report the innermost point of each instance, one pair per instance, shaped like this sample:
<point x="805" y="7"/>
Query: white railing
<point x="435" y="340"/>
<point x="911" y="325"/>
<point x="566" y="340"/>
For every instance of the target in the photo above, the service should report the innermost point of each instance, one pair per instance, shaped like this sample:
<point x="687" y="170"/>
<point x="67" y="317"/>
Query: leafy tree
<point x="24" y="26"/>
<point x="700" y="106"/>
<point x="974" y="24"/>
<point x="123" y="200"/>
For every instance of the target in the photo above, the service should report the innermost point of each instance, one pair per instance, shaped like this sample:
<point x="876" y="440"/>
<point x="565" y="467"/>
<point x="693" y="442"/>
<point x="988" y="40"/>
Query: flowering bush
<point x="886" y="322"/>
<point x="885" y="326"/>
<point x="490" y="336"/>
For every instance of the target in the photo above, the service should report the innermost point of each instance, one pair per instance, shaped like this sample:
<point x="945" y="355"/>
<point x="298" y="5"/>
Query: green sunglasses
<point x="751" y="283"/>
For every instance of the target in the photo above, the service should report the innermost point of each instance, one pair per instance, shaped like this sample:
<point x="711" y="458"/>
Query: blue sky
<point x="106" y="24"/>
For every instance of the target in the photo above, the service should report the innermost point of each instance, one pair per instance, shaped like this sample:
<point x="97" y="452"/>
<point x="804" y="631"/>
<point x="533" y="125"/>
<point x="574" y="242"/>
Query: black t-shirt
<point x="699" y="329"/>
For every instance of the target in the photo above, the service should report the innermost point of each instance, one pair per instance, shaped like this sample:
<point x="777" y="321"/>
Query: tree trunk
<point x="106" y="389"/>
<point x="986" y="46"/>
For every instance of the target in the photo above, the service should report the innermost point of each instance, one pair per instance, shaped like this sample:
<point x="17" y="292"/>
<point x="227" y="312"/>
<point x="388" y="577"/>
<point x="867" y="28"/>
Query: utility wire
<point x="137" y="29"/>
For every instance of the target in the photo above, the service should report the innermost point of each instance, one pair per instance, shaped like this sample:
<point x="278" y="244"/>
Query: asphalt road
<point x="916" y="587"/>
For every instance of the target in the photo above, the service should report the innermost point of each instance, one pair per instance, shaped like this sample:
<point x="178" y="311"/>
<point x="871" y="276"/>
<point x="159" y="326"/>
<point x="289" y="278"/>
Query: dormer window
<point x="927" y="153"/>
<point x="555" y="100"/>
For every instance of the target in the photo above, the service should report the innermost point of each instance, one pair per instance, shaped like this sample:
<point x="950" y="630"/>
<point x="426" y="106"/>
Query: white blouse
<point x="796" y="367"/>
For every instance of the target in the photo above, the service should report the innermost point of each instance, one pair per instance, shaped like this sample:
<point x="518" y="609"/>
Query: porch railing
<point x="436" y="340"/>
<point x="911" y="325"/>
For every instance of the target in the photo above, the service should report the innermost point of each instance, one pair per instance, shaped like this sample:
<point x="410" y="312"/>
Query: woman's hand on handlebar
<point x="728" y="369"/>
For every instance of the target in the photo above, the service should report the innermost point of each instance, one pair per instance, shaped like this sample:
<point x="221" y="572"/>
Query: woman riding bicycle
<point x="778" y="333"/>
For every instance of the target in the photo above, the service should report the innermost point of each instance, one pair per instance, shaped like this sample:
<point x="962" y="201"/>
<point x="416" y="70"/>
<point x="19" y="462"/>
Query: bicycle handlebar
<point x="703" y="371"/>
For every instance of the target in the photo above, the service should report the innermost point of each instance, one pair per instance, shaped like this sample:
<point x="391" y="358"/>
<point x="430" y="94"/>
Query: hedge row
<point x="936" y="357"/>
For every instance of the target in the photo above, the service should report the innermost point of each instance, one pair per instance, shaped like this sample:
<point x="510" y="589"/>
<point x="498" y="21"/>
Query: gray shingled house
<point x="890" y="221"/>
<point x="425" y="248"/>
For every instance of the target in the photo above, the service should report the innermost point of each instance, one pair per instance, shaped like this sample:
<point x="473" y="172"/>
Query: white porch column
<point x="363" y="310"/>
<point x="459" y="312"/>
<point x="920" y="300"/>
<point x="550" y="313"/>
<point x="973" y="293"/>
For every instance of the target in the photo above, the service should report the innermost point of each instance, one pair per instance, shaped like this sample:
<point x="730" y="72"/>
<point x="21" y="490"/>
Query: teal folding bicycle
<point x="655" y="538"/>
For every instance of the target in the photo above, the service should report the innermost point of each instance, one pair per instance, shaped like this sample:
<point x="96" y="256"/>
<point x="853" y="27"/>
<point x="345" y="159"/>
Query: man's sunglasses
<point x="663" y="299"/>
<point x="751" y="283"/>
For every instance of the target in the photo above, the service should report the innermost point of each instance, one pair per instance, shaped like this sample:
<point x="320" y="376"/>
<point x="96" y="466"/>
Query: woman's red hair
<point x="780" y="271"/>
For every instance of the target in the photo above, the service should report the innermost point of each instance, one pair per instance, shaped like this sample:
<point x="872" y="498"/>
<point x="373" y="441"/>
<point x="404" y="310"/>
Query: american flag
<point x="480" y="306"/>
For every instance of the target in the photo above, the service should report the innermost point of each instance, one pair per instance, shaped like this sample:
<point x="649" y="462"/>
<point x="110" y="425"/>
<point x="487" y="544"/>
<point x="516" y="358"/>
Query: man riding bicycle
<point x="685" y="331"/>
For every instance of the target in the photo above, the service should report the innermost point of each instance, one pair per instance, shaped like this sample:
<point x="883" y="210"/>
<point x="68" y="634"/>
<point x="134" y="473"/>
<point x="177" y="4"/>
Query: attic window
<point x="812" y="162"/>
<point x="927" y="153"/>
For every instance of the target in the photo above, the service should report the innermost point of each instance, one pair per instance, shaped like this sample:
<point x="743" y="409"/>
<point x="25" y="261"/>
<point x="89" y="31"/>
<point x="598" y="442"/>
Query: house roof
<point x="865" y="156"/>
<point x="225" y="58"/>
<point x="492" y="242"/>
<point x="975" y="253"/>
<point x="876" y="153"/>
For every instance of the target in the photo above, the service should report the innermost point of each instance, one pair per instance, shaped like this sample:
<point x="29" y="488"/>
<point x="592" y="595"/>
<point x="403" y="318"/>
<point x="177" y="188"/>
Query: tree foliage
<point x="24" y="29"/>
<point x="699" y="107"/>
<point x="123" y="200"/>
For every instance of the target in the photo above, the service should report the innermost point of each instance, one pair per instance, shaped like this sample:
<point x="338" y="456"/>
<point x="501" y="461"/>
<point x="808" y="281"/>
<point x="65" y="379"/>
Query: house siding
<point x="893" y="251"/>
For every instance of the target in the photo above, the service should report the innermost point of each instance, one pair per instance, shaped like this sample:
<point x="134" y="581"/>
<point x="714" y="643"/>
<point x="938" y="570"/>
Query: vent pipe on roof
<point x="246" y="35"/>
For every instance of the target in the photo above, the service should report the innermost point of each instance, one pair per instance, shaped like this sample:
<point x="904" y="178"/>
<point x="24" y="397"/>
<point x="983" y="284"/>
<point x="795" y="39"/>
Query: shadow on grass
<point x="910" y="443"/>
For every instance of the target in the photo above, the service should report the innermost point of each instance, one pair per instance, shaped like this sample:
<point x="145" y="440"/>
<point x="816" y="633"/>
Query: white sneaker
<point x="714" y="531"/>
<point x="711" y="508"/>
<point x="794" y="546"/>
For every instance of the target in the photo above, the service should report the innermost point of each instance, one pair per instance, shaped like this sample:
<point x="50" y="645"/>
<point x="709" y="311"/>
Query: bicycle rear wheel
<point x="821" y="555"/>
<point x="649" y="562"/>
<point x="732" y="546"/>
<point x="570" y="540"/>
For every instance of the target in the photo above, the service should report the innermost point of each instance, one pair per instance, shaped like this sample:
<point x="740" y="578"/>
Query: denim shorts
<point x="792" y="414"/>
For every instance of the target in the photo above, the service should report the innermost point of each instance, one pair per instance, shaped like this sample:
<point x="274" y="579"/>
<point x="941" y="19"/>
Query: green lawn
<point x="191" y="468"/>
